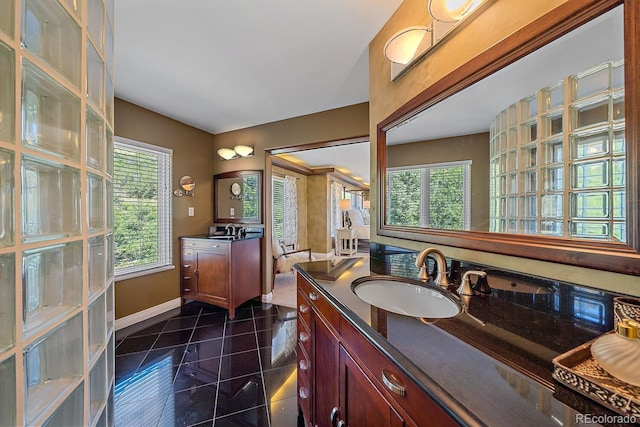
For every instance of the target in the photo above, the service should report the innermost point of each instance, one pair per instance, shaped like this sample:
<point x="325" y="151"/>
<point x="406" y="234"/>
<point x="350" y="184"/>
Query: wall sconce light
<point x="407" y="47"/>
<point x="237" y="152"/>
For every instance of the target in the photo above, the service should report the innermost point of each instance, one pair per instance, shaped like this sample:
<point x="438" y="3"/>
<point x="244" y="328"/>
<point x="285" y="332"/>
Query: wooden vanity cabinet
<point x="346" y="380"/>
<point x="218" y="272"/>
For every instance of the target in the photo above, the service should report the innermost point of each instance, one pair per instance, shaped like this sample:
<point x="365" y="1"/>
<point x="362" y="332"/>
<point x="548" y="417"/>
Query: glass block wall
<point x="558" y="159"/>
<point x="56" y="169"/>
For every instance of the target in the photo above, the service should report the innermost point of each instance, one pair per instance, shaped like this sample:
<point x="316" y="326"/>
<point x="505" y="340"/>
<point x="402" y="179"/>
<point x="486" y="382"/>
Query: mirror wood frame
<point x="608" y="256"/>
<point x="217" y="192"/>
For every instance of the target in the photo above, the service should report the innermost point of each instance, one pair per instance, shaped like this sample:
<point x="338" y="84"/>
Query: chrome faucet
<point x="233" y="229"/>
<point x="441" y="263"/>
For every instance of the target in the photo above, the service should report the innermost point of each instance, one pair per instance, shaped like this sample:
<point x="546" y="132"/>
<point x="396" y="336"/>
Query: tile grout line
<point x="215" y="401"/>
<point x="264" y="390"/>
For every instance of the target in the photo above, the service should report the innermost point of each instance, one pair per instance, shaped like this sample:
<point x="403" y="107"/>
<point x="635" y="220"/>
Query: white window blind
<point x="278" y="207"/>
<point x="142" y="208"/>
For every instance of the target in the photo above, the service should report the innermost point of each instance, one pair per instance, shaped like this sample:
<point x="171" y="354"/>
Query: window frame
<point x="280" y="181"/>
<point x="165" y="210"/>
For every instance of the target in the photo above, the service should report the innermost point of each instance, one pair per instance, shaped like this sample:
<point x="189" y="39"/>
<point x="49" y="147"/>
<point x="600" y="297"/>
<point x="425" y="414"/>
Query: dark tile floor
<point x="195" y="367"/>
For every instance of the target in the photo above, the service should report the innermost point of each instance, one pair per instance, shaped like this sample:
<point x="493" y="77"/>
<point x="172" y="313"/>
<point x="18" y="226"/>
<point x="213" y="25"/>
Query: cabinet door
<point x="361" y="403"/>
<point x="212" y="274"/>
<point x="325" y="359"/>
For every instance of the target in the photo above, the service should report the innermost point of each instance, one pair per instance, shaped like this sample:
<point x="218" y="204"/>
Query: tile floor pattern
<point x="198" y="368"/>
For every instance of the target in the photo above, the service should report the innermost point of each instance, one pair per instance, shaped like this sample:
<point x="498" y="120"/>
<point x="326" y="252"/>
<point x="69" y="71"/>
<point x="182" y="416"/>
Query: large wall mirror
<point x="531" y="149"/>
<point x="238" y="197"/>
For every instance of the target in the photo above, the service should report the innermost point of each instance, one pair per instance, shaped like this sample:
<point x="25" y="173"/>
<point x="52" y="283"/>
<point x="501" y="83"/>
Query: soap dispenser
<point x="619" y="353"/>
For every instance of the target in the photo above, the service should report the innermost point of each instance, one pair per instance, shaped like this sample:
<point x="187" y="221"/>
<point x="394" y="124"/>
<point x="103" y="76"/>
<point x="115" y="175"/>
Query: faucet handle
<point x="465" y="285"/>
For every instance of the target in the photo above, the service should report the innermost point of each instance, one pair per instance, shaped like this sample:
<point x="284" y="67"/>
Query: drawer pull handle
<point x="393" y="383"/>
<point x="341" y="423"/>
<point x="187" y="266"/>
<point x="304" y="337"/>
<point x="304" y="393"/>
<point x="304" y="365"/>
<point x="187" y="278"/>
<point x="333" y="415"/>
<point x="313" y="296"/>
<point x="187" y="290"/>
<point x="303" y="308"/>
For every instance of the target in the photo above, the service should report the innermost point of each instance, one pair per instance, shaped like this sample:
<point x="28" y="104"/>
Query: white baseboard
<point x="267" y="297"/>
<point x="323" y="256"/>
<point x="150" y="312"/>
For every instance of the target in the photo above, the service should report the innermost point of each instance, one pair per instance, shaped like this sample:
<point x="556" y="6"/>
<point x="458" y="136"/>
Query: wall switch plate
<point x="232" y="211"/>
<point x="191" y="211"/>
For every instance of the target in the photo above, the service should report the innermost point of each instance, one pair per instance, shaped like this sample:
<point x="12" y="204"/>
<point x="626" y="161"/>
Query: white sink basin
<point x="405" y="296"/>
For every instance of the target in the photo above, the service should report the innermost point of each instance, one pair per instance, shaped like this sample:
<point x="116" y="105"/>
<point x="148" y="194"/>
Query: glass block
<point x="590" y="114"/>
<point x="50" y="114"/>
<point x="530" y="181"/>
<point x="554" y="151"/>
<point x="51" y="284"/>
<point x="95" y="22"/>
<point x="593" y="174"/>
<point x="7" y="17"/>
<point x="589" y="230"/>
<point x="619" y="204"/>
<point x="109" y="101"/>
<point x="591" y="82"/>
<point x="102" y="421"/>
<point x="552" y="205"/>
<point x="95" y="141"/>
<point x="108" y="54"/>
<point x="553" y="123"/>
<point x="619" y="145"/>
<point x="503" y="121"/>
<point x="110" y="408"/>
<point x="7" y="305"/>
<point x="110" y="220"/>
<point x="111" y="360"/>
<point x="617" y="75"/>
<point x="97" y="323"/>
<point x="109" y="143"/>
<point x="70" y="412"/>
<point x="8" y="392"/>
<point x="529" y="132"/>
<point x="110" y="265"/>
<point x="618" y="107"/>
<point x="512" y="117"/>
<point x="97" y="387"/>
<point x="552" y="96"/>
<point x="513" y="207"/>
<point x="529" y="226"/>
<point x="531" y="156"/>
<point x="73" y="5"/>
<point x="503" y="185"/>
<point x="8" y="92"/>
<point x="530" y="206"/>
<point x="503" y="163"/>
<point x="503" y="207"/>
<point x="528" y="108"/>
<point x="512" y="160"/>
<point x="551" y="228"/>
<point x="503" y="142"/>
<point x="619" y="172"/>
<point x="51" y="33"/>
<point x="50" y="200"/>
<point x="513" y="183"/>
<point x="52" y="366"/>
<point x="95" y="203"/>
<point x="619" y="231"/>
<point x="110" y="308"/>
<point x="95" y="77"/>
<point x="7" y="217"/>
<point x="593" y="204"/>
<point x="591" y="145"/>
<point x="97" y="264"/>
<point x="512" y="225"/>
<point x="553" y="178"/>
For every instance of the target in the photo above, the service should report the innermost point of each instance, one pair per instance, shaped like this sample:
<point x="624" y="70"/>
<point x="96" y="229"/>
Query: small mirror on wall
<point x="187" y="185"/>
<point x="238" y="197"/>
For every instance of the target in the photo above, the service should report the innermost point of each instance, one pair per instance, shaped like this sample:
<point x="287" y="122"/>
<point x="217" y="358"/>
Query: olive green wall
<point x="192" y="155"/>
<point x="386" y="96"/>
<point x="458" y="148"/>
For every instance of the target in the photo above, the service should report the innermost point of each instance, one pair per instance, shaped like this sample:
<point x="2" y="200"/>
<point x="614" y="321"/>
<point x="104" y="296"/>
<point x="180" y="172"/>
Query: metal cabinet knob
<point x="333" y="415"/>
<point x="341" y="423"/>
<point x="303" y="393"/>
<point x="304" y="365"/>
<point x="187" y="290"/>
<point x="304" y="337"/>
<point x="393" y="383"/>
<point x="313" y="296"/>
<point x="187" y="266"/>
<point x="303" y="308"/>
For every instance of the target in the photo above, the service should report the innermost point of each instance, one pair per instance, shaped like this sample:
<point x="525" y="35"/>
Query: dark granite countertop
<point x="498" y="374"/>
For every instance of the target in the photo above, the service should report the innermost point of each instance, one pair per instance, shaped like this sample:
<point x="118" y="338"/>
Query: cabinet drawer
<point x="204" y="244"/>
<point x="304" y="365"/>
<point x="304" y="308"/>
<point x="393" y="383"/>
<point x="304" y="399"/>
<point x="304" y="337"/>
<point x="319" y="302"/>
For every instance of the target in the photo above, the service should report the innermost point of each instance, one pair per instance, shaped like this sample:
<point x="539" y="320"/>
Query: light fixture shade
<point x="451" y="10"/>
<point x="402" y="46"/>
<point x="366" y="204"/>
<point x="226" y="153"/>
<point x="345" y="204"/>
<point x="243" y="150"/>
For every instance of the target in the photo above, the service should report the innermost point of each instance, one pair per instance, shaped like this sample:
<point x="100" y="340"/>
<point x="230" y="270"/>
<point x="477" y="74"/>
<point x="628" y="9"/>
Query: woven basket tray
<point x="579" y="371"/>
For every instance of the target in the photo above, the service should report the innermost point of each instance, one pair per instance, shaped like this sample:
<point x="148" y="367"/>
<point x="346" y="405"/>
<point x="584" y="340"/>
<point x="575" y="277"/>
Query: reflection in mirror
<point x="187" y="183"/>
<point x="537" y="148"/>
<point x="238" y="197"/>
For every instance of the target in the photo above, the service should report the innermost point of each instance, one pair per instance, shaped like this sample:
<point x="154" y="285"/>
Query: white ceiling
<point x="221" y="65"/>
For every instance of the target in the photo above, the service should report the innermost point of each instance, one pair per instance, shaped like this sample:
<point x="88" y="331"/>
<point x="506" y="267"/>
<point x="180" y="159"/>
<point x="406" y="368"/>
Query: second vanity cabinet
<point x="219" y="272"/>
<point x="343" y="380"/>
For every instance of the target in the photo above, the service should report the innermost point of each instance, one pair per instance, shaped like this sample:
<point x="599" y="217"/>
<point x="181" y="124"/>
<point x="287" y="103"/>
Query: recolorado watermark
<point x="606" y="419"/>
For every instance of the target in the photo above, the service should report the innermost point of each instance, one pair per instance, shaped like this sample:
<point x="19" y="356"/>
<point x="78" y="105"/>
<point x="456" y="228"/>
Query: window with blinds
<point x="142" y="208"/>
<point x="277" y="191"/>
<point x="435" y="196"/>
